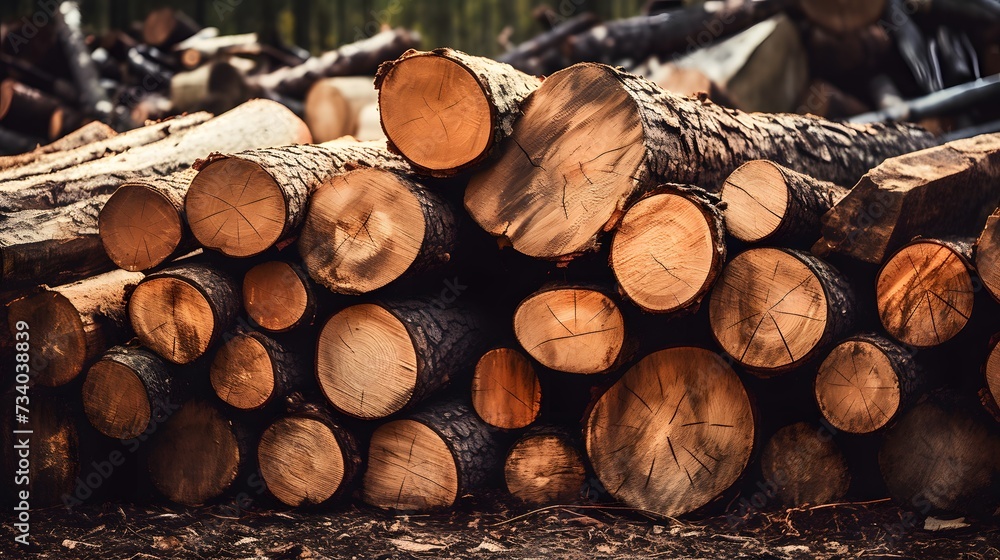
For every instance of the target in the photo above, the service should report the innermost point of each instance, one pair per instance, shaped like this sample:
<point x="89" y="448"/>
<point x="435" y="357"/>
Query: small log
<point x="181" y="311"/>
<point x="572" y="329"/>
<point x="954" y="186"/>
<point x="251" y="371"/>
<point x="556" y="184"/>
<point x="865" y="383"/>
<point x="370" y="227"/>
<point x="806" y="469"/>
<point x="73" y="324"/>
<point x="505" y="390"/>
<point x="843" y="16"/>
<point x="196" y="50"/>
<point x="166" y="26"/>
<point x="769" y="203"/>
<point x="375" y="359"/>
<point x="333" y="106"/>
<point x="126" y="389"/>
<point x="466" y="106"/>
<point x="244" y="203"/>
<point x="542" y="54"/>
<point x="925" y="291"/>
<point x="546" y="466"/>
<point x="986" y="255"/>
<point x="278" y="296"/>
<point x="806" y="305"/>
<point x="688" y="399"/>
<point x="307" y="459"/>
<point x="430" y="459"/>
<point x="668" y="250"/>
<point x="27" y="110"/>
<point x="90" y="133"/>
<point x="142" y="225"/>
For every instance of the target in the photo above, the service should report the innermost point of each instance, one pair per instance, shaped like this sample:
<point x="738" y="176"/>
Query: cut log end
<point x="857" y="387"/>
<point x="242" y="374"/>
<point x="992" y="371"/>
<point x="410" y="467"/>
<point x="366" y="362"/>
<point x="756" y="197"/>
<point x="545" y="469"/>
<point x="363" y="230"/>
<point x="236" y="208"/>
<point x="140" y="228"/>
<point x="573" y="330"/>
<point x="301" y="461"/>
<point x="115" y="400"/>
<point x="435" y="112"/>
<point x="276" y="297"/>
<point x="925" y="294"/>
<point x="805" y="467"/>
<point x="673" y="433"/>
<point x="557" y="184"/>
<point x="506" y="392"/>
<point x="58" y="335"/>
<point x="987" y="255"/>
<point x="172" y="318"/>
<point x="666" y="253"/>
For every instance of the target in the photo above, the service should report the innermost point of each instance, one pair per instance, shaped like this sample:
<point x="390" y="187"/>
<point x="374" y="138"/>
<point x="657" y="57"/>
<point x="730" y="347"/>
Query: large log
<point x="90" y="133"/>
<point x="446" y="111"/>
<point x="73" y="324"/>
<point x="805" y="467"/>
<point x="251" y="371"/>
<point x="546" y="466"/>
<point x="333" y="106"/>
<point x="255" y="124"/>
<point x="673" y="433"/>
<point x="370" y="227"/>
<point x="241" y="204"/>
<point x="557" y="184"/>
<point x="949" y="190"/>
<point x="806" y="304"/>
<point x="505" y="389"/>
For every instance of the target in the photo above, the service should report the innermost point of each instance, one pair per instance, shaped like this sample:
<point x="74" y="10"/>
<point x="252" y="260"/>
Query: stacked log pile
<point x="579" y="288"/>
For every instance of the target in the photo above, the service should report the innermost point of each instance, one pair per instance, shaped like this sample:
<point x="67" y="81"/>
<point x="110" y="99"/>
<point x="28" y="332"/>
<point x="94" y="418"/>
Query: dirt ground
<point x="508" y="531"/>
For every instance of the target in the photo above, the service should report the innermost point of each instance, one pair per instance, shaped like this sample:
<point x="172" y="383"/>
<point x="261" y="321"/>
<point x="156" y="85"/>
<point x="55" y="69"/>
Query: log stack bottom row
<point x="575" y="289"/>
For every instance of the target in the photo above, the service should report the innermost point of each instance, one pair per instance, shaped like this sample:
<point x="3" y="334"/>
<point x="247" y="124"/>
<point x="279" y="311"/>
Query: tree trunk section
<point x="333" y="106"/>
<point x="279" y="296"/>
<point x="90" y="133"/>
<point x="546" y="466"/>
<point x="251" y="371"/>
<point x="805" y="468"/>
<point x="506" y="393"/>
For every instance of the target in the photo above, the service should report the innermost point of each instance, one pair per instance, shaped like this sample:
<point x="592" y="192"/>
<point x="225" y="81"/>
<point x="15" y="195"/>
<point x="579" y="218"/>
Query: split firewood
<point x="236" y="130"/>
<point x="806" y="304"/>
<point x="505" y="389"/>
<point x="129" y="390"/>
<point x="73" y="324"/>
<point x="668" y="250"/>
<point x="573" y="329"/>
<point x="307" y="459"/>
<point x="926" y="292"/>
<point x="181" y="311"/>
<point x="251" y="371"/>
<point x="805" y="467"/>
<point x="333" y="106"/>
<point x="552" y="205"/>
<point x="689" y="399"/>
<point x="467" y="105"/>
<point x="279" y="296"/>
<point x="370" y="227"/>
<point x="27" y="110"/>
<point x="375" y="359"/>
<point x="543" y="54"/>
<point x="430" y="459"/>
<point x="244" y="203"/>
<point x="142" y="225"/>
<point x="769" y="203"/>
<point x="843" y="16"/>
<point x="90" y="133"/>
<point x="986" y="254"/>
<point x="866" y="382"/>
<point x="949" y="190"/>
<point x="546" y="466"/>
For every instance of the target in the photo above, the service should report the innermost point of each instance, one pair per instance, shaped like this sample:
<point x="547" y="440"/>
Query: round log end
<point x="545" y="469"/>
<point x="58" y="336"/>
<point x="275" y="296"/>
<point x="115" y="400"/>
<point x="410" y="467"/>
<point x="505" y="390"/>
<point x="301" y="461"/>
<point x="756" y="197"/>
<point x="242" y="373"/>
<point x="139" y="227"/>
<point x="992" y="371"/>
<point x="328" y="112"/>
<point x="172" y="318"/>
<point x="805" y="467"/>
<point x="857" y="387"/>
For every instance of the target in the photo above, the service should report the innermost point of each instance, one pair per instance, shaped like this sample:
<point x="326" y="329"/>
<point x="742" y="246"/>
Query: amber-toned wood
<point x="505" y="389"/>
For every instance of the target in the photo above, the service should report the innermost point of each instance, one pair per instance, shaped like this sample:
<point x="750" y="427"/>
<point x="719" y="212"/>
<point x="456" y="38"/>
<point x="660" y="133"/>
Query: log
<point x="550" y="204"/>
<point x="333" y="106"/>
<point x="506" y="393"/>
<point x="943" y="102"/>
<point x="90" y="133"/>
<point x="942" y="456"/>
<point x="986" y="255"/>
<point x="127" y="391"/>
<point x="945" y="191"/>
<point x="542" y="54"/>
<point x="166" y="26"/>
<point x="573" y="329"/>
<point x="684" y="30"/>
<point x="430" y="459"/>
<point x="181" y="311"/>
<point x="668" y="250"/>
<point x="826" y="100"/>
<point x="769" y="203"/>
<point x="142" y="225"/>
<point x="370" y="227"/>
<point x="195" y="50"/>
<point x="688" y="398"/>
<point x="546" y="466"/>
<point x="242" y="204"/>
<point x="239" y="129"/>
<point x="369" y="124"/>
<point x="843" y="16"/>
<point x="198" y="454"/>
<point x="54" y="467"/>
<point x="307" y="459"/>
<point x="278" y="296"/>
<point x="467" y="105"/>
<point x="73" y="324"/>
<point x="375" y="359"/>
<point x="806" y="305"/>
<point x="991" y="373"/>
<point x="27" y="110"/>
<point x="251" y="371"/>
<point x="92" y="97"/>
<point x="806" y="469"/>
<point x="866" y="382"/>
<point x="925" y="291"/>
<point x="354" y="59"/>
